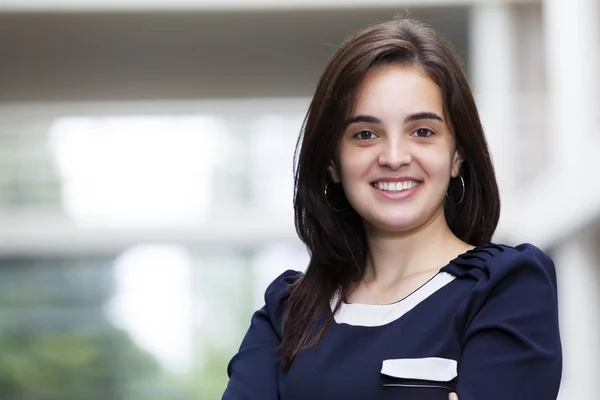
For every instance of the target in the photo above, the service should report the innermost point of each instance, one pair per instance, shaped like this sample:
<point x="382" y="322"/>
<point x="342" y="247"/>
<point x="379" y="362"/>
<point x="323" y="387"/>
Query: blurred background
<point x="146" y="174"/>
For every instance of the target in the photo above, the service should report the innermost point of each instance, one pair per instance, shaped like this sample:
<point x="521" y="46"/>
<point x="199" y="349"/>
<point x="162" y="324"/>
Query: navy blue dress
<point x="486" y="327"/>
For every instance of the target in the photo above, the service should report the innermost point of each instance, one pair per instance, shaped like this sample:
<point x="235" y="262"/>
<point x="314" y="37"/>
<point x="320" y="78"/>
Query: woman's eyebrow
<point x="423" y="115"/>
<point x="363" y="118"/>
<point x="369" y="119"/>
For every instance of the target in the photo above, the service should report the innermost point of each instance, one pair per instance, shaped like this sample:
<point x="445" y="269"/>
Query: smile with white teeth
<point x="395" y="186"/>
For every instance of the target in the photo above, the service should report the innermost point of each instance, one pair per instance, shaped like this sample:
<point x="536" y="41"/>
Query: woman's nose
<point x="394" y="154"/>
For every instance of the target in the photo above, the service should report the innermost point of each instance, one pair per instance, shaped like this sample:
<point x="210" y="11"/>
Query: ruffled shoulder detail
<point x="276" y="295"/>
<point x="497" y="260"/>
<point x="473" y="262"/>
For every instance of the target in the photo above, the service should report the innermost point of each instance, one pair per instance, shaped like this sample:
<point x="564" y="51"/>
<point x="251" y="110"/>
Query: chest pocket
<point x="431" y="372"/>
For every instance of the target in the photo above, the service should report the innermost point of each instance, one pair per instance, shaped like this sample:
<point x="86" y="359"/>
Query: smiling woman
<point x="396" y="199"/>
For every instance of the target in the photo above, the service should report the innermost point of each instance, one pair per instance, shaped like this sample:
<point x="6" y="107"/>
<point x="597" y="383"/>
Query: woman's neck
<point x="393" y="256"/>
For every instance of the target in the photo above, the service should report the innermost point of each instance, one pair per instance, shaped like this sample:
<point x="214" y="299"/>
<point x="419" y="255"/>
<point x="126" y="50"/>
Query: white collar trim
<point x="378" y="315"/>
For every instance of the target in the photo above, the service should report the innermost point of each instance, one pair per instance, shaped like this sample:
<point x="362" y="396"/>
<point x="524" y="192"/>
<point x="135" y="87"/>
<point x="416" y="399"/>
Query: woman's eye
<point x="423" y="133"/>
<point x="365" y="135"/>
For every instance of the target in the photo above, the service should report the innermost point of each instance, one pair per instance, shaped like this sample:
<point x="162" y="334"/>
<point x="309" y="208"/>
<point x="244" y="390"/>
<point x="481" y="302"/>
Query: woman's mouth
<point x="395" y="187"/>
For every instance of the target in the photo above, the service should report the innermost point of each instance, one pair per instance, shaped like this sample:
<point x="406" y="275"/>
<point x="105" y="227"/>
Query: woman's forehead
<point x="397" y="90"/>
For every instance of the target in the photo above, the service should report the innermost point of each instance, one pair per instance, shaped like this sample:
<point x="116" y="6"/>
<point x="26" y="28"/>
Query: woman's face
<point x="397" y="153"/>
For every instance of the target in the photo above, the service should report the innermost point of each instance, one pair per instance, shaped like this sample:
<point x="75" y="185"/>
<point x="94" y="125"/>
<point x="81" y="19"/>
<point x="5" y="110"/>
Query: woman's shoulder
<point x="509" y="273"/>
<point x="279" y="288"/>
<point x="495" y="262"/>
<point x="276" y="295"/>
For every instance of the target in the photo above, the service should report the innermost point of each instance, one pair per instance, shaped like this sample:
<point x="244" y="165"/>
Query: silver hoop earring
<point x="464" y="190"/>
<point x="327" y="200"/>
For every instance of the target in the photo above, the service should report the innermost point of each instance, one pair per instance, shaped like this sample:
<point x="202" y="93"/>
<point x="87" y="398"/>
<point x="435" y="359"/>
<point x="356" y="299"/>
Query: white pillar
<point x="572" y="31"/>
<point x="578" y="267"/>
<point x="492" y="66"/>
<point x="572" y="50"/>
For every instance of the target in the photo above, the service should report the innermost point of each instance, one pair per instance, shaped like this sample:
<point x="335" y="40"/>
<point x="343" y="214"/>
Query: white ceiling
<point x="234" y="5"/>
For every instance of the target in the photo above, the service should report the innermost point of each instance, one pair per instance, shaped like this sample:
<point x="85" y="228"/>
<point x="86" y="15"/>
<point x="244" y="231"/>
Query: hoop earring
<point x="464" y="190"/>
<point x="327" y="201"/>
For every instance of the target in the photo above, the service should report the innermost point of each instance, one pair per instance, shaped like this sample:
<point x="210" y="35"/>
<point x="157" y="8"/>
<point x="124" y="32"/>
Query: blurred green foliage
<point x="56" y="342"/>
<point x="209" y="381"/>
<point x="72" y="366"/>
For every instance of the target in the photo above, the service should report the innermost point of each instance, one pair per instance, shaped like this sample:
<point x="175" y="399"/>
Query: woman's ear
<point x="333" y="172"/>
<point x="456" y="163"/>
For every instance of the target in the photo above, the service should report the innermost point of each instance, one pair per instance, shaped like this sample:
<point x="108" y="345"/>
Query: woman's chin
<point x="394" y="225"/>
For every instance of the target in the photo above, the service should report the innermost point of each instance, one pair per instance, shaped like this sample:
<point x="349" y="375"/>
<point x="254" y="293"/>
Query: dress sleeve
<point x="254" y="370"/>
<point x="511" y="347"/>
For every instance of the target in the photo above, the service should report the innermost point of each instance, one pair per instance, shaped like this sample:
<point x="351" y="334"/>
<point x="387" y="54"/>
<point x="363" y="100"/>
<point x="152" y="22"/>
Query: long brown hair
<point x="336" y="239"/>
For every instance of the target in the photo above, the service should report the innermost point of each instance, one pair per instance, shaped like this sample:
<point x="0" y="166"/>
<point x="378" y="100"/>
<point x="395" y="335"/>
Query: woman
<point x="396" y="199"/>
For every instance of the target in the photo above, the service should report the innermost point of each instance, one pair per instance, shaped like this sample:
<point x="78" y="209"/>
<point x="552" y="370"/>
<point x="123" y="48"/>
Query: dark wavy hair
<point x="336" y="239"/>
